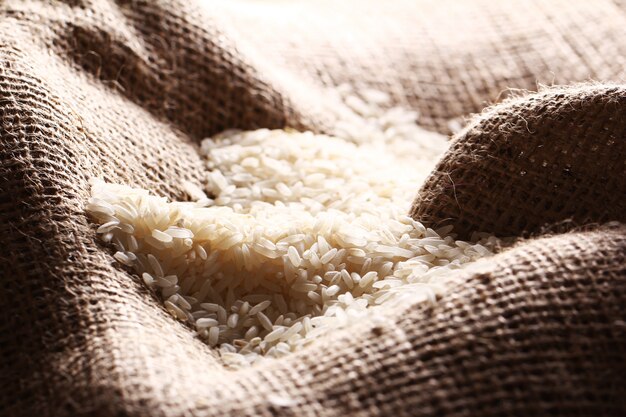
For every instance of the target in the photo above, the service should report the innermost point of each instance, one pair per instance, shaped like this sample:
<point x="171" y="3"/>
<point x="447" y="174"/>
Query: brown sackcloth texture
<point x="559" y="155"/>
<point x="446" y="58"/>
<point x="125" y="90"/>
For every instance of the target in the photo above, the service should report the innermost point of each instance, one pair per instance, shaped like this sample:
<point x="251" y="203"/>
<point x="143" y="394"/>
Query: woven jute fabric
<point x="125" y="90"/>
<point x="558" y="156"/>
<point x="445" y="58"/>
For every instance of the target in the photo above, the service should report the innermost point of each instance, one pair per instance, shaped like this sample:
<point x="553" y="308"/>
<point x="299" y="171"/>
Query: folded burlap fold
<point x="557" y="156"/>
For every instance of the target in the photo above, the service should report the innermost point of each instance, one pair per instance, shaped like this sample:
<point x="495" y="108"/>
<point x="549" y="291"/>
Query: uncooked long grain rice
<point x="303" y="232"/>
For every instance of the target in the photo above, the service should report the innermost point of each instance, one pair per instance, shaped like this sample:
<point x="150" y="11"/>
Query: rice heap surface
<point x="302" y="234"/>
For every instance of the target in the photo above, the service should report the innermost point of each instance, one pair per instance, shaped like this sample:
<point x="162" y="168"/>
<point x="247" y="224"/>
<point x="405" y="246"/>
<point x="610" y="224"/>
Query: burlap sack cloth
<point x="125" y="90"/>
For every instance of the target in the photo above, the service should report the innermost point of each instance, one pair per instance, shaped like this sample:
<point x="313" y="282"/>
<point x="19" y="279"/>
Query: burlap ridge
<point x="550" y="157"/>
<point x="125" y="90"/>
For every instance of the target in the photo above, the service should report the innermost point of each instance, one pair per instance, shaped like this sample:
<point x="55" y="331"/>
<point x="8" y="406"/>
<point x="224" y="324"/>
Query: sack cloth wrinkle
<point x="124" y="90"/>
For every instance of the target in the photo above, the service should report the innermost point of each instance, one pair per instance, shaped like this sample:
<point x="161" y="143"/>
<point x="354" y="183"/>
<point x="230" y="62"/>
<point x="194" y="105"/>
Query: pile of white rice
<point x="302" y="234"/>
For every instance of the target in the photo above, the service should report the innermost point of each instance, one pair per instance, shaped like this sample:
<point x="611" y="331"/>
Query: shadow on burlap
<point x="125" y="90"/>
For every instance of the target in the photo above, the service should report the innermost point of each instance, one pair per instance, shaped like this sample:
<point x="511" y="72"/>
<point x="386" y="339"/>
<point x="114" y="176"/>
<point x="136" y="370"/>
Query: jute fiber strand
<point x="126" y="90"/>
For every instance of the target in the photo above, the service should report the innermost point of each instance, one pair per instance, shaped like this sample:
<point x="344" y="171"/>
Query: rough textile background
<point x="126" y="89"/>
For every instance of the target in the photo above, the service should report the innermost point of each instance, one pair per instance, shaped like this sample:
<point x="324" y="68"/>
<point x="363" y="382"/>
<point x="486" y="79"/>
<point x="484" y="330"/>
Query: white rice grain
<point x="305" y="234"/>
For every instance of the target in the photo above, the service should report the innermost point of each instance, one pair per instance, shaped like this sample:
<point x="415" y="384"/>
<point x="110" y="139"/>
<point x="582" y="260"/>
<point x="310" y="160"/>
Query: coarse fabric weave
<point x="124" y="90"/>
